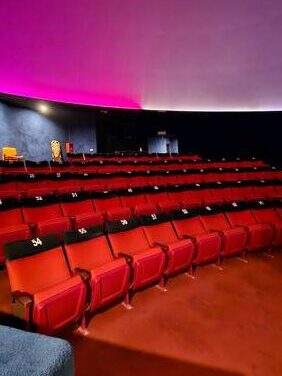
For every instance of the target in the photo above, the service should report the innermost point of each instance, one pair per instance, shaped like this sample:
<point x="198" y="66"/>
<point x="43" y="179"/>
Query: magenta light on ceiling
<point x="157" y="54"/>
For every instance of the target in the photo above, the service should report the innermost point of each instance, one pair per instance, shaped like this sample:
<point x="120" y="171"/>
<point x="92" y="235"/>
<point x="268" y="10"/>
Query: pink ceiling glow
<point x="152" y="54"/>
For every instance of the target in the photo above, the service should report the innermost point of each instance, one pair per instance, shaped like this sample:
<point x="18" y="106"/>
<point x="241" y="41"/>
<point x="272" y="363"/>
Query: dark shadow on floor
<point x="10" y="320"/>
<point x="93" y="357"/>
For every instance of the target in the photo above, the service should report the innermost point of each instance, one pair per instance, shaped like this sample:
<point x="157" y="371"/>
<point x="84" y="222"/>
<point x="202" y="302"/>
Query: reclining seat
<point x="179" y="252"/>
<point x="108" y="203"/>
<point x="188" y="225"/>
<point x="79" y="208"/>
<point x="260" y="235"/>
<point x="234" y="240"/>
<point x="147" y="263"/>
<point x="264" y="212"/>
<point x="12" y="227"/>
<point x="44" y="293"/>
<point x="45" y="216"/>
<point x="89" y="254"/>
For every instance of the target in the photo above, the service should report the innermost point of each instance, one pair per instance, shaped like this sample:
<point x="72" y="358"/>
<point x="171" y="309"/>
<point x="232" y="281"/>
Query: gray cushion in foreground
<point x="23" y="353"/>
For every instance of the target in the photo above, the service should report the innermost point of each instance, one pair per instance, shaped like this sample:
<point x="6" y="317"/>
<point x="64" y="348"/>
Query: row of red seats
<point x="32" y="184"/>
<point x="125" y="158"/>
<point x="101" y="268"/>
<point x="44" y="214"/>
<point x="21" y="167"/>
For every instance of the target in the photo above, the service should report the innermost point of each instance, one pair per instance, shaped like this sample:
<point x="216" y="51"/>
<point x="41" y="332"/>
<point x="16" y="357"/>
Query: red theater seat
<point x="44" y="293"/>
<point x="264" y="212"/>
<point x="260" y="235"/>
<point x="78" y="206"/>
<point x="159" y="232"/>
<point x="62" y="182"/>
<point x="234" y="240"/>
<point x="31" y="181"/>
<point x="12" y="227"/>
<point x="188" y="225"/>
<point x="156" y="195"/>
<point x="128" y="239"/>
<point x="8" y="187"/>
<point x="132" y="197"/>
<point x="45" y="216"/>
<point x="41" y="167"/>
<point x="108" y="203"/>
<point x="145" y="209"/>
<point x="159" y="197"/>
<point x="88" y="252"/>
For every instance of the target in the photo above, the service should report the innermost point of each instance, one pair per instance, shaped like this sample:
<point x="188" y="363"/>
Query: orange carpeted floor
<point x="222" y="323"/>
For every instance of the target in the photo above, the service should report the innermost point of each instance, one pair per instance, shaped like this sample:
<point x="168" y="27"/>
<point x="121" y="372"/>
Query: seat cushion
<point x="59" y="306"/>
<point x="53" y="226"/>
<point x="234" y="241"/>
<point x="109" y="282"/>
<point x="208" y="247"/>
<point x="115" y="214"/>
<point x="260" y="236"/>
<point x="180" y="256"/>
<point x="87" y="220"/>
<point x="148" y="267"/>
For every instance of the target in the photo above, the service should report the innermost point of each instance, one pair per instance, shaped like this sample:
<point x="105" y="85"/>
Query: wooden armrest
<point x="85" y="274"/>
<point x="213" y="231"/>
<point x="190" y="237"/>
<point x="22" y="304"/>
<point x="128" y="258"/>
<point x="164" y="247"/>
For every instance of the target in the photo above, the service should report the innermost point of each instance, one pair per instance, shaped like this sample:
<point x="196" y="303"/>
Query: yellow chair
<point x="10" y="153"/>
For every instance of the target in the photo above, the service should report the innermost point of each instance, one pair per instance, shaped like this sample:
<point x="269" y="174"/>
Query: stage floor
<point x="222" y="323"/>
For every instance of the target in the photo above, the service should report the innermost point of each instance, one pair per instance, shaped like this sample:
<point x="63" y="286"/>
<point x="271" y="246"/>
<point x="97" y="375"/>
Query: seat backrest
<point x="156" y="197"/>
<point x="75" y="203"/>
<point x="264" y="212"/>
<point x="87" y="248"/>
<point x="158" y="228"/>
<point x="7" y="182"/>
<point x="102" y="204"/>
<point x="187" y="222"/>
<point x="39" y="208"/>
<point x="32" y="181"/>
<point x="104" y="200"/>
<point x="238" y="214"/>
<point x="126" y="236"/>
<point x="131" y="200"/>
<point x="213" y="219"/>
<point x="35" y="265"/>
<point x="10" y="212"/>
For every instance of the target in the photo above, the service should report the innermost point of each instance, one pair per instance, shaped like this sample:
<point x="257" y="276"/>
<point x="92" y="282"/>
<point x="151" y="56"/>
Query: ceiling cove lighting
<point x="214" y="109"/>
<point x="43" y="108"/>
